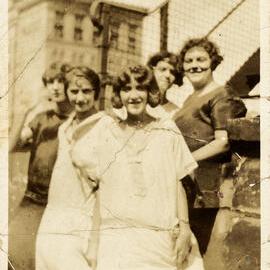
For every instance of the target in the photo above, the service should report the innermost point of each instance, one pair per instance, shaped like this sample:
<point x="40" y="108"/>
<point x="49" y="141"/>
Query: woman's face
<point x="163" y="73"/>
<point x="134" y="98"/>
<point x="81" y="94"/>
<point x="197" y="66"/>
<point x="56" y="89"/>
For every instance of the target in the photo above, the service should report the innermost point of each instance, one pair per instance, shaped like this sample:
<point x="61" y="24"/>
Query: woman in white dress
<point x="138" y="164"/>
<point x="64" y="233"/>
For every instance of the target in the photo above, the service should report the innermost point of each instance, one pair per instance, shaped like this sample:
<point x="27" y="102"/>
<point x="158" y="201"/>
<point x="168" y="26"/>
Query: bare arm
<point x="182" y="206"/>
<point x="93" y="243"/>
<point x="219" y="145"/>
<point x="183" y="241"/>
<point x="19" y="132"/>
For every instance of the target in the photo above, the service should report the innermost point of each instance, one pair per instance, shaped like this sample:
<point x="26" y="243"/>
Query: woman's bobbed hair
<point x="210" y="47"/>
<point x="143" y="76"/>
<point x="56" y="70"/>
<point x="87" y="73"/>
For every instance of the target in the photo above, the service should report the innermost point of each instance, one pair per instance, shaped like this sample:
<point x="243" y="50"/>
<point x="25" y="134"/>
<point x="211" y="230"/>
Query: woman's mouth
<point x="135" y="102"/>
<point x="196" y="70"/>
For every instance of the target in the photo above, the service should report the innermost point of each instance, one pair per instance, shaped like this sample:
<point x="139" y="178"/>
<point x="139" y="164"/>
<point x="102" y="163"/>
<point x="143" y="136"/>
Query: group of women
<point x="116" y="198"/>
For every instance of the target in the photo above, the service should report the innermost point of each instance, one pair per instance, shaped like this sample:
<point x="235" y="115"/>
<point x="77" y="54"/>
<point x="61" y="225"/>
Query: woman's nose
<point x="55" y="84"/>
<point x="167" y="73"/>
<point x="194" y="63"/>
<point x="80" y="96"/>
<point x="133" y="93"/>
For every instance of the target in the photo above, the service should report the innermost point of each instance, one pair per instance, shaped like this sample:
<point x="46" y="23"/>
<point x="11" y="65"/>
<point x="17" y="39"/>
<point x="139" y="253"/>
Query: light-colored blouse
<point x="138" y="182"/>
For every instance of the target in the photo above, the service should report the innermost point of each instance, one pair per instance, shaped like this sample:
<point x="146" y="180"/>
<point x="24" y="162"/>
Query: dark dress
<point x="23" y="227"/>
<point x="198" y="120"/>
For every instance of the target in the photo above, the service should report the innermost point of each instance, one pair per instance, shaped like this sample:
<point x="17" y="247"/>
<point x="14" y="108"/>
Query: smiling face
<point x="197" y="67"/>
<point x="81" y="94"/>
<point x="56" y="89"/>
<point x="134" y="98"/>
<point x="163" y="73"/>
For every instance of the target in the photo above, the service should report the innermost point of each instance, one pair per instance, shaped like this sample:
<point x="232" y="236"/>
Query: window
<point x="73" y="57"/>
<point x="81" y="59"/>
<point x="61" y="54"/>
<point x="132" y="38"/>
<point x="54" y="53"/>
<point x="114" y="31"/>
<point x="59" y="24"/>
<point x="78" y="31"/>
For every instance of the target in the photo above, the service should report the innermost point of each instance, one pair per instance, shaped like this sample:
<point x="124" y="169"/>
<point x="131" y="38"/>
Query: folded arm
<point x="219" y="145"/>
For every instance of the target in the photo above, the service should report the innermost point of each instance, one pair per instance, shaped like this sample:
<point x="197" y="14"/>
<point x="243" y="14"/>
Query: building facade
<point x="42" y="32"/>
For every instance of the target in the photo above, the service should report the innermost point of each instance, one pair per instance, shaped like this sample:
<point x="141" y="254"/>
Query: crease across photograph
<point x="138" y="135"/>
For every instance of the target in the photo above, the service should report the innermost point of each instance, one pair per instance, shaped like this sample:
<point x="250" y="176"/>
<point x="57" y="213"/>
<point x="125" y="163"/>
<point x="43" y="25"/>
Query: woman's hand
<point x="183" y="244"/>
<point x="91" y="255"/>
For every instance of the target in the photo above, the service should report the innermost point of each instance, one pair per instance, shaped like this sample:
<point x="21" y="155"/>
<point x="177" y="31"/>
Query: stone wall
<point x="235" y="239"/>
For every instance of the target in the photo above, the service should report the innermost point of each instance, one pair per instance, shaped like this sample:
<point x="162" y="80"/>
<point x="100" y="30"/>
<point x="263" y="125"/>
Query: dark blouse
<point x="201" y="116"/>
<point x="43" y="154"/>
<point x="198" y="119"/>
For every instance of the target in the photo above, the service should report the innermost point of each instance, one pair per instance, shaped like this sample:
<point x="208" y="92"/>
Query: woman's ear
<point x="153" y="98"/>
<point x="153" y="93"/>
<point x="116" y="101"/>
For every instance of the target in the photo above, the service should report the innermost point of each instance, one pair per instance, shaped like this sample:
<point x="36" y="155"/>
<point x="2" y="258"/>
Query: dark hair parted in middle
<point x="160" y="56"/>
<point x="143" y="76"/>
<point x="204" y="43"/>
<point x="171" y="59"/>
<point x="88" y="74"/>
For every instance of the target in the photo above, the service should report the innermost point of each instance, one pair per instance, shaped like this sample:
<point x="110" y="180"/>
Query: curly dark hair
<point x="157" y="57"/>
<point x="171" y="58"/>
<point x="88" y="74"/>
<point x="56" y="70"/>
<point x="142" y="75"/>
<point x="210" y="47"/>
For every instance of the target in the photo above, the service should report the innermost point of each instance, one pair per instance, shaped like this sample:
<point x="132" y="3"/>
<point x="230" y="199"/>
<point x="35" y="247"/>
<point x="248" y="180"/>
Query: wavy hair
<point x="210" y="47"/>
<point x="87" y="73"/>
<point x="143" y="76"/>
<point x="56" y="70"/>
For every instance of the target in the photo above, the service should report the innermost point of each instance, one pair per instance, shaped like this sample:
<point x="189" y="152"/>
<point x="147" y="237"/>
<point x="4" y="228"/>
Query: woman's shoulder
<point x="110" y="118"/>
<point x="227" y="104"/>
<point x="177" y="95"/>
<point x="168" y="125"/>
<point x="224" y="91"/>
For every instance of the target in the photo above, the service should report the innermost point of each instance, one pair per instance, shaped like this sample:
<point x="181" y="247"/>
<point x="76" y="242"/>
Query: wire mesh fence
<point x="131" y="32"/>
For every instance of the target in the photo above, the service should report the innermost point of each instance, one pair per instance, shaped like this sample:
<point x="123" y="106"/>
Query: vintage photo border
<point x="265" y="132"/>
<point x="4" y="134"/>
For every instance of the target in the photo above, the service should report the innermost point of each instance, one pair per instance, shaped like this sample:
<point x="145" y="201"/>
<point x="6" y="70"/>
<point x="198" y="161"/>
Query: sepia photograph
<point x="134" y="135"/>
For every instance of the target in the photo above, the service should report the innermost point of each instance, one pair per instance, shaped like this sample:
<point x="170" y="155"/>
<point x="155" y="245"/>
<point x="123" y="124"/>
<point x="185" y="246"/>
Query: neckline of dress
<point x="71" y="135"/>
<point x="118" y="132"/>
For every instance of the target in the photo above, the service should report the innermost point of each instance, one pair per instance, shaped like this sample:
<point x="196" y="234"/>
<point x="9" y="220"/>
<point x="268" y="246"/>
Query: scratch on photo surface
<point x="66" y="10"/>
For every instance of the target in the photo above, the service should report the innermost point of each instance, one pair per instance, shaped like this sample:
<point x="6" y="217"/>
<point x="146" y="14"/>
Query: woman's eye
<point x="126" y="88"/>
<point x="141" y="88"/>
<point x="60" y="80"/>
<point x="201" y="59"/>
<point x="187" y="60"/>
<point x="87" y="91"/>
<point x="74" y="91"/>
<point x="161" y="69"/>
